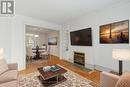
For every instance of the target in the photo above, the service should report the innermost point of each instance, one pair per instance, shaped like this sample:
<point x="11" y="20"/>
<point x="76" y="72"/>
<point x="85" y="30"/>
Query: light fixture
<point x="36" y="35"/>
<point x="121" y="54"/>
<point x="1" y="53"/>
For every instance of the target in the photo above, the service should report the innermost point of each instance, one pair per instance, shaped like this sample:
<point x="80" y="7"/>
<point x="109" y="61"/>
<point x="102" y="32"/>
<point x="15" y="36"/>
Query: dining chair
<point x="45" y="54"/>
<point x="30" y="53"/>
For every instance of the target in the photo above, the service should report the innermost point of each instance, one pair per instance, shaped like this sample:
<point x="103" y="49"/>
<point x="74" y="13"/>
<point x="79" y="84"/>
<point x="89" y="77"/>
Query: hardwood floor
<point x="92" y="75"/>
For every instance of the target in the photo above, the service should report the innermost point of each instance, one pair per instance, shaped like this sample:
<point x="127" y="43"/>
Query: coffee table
<point x="51" y="78"/>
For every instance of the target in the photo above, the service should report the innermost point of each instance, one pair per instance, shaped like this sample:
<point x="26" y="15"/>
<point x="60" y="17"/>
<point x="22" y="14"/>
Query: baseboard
<point x="92" y="67"/>
<point x="96" y="67"/>
<point x="89" y="66"/>
<point x="54" y="55"/>
<point x="101" y="68"/>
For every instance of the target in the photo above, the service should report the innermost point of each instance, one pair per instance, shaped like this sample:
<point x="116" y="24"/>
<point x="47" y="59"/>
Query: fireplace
<point x="79" y="58"/>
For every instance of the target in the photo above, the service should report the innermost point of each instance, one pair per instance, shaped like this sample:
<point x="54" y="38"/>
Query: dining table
<point x="38" y="52"/>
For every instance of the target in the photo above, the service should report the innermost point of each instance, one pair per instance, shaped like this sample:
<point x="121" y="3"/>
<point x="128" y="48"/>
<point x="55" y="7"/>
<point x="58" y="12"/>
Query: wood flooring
<point x="92" y="75"/>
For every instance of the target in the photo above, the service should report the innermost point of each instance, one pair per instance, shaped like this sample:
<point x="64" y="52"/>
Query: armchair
<point x="111" y="80"/>
<point x="9" y="78"/>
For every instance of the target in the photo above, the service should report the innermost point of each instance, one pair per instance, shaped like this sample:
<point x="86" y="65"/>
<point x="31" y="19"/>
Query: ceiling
<point x="60" y="11"/>
<point x="38" y="30"/>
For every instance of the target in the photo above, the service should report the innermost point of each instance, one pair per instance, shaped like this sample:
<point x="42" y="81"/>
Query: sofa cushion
<point x="3" y="66"/>
<point x="8" y="76"/>
<point x="124" y="80"/>
<point x="9" y="84"/>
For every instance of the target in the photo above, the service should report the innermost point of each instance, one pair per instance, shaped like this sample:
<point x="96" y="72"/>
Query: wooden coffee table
<point x="51" y="78"/>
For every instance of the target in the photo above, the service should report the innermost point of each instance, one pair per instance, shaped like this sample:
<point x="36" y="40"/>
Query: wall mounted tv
<point x="81" y="37"/>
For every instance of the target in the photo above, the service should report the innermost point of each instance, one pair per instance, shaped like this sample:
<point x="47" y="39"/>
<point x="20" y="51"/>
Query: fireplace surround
<point x="79" y="58"/>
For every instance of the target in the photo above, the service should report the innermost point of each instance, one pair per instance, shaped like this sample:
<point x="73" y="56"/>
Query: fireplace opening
<point x="79" y="58"/>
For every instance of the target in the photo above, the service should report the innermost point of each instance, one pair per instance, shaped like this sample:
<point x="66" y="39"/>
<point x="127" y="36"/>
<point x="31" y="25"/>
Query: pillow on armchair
<point x="3" y="66"/>
<point x="124" y="80"/>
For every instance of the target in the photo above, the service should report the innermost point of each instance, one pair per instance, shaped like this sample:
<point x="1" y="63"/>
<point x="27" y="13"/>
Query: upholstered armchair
<point x="30" y="53"/>
<point x="9" y="77"/>
<point x="111" y="80"/>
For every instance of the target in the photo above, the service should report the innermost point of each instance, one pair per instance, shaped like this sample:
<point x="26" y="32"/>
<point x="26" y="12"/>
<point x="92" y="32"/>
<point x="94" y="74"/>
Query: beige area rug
<point x="73" y="80"/>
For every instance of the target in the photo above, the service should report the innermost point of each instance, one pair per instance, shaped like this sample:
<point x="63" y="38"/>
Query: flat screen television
<point x="81" y="37"/>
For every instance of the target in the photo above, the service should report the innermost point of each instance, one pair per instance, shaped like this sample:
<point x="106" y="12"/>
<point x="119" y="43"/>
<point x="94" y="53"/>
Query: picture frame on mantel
<point x="115" y="33"/>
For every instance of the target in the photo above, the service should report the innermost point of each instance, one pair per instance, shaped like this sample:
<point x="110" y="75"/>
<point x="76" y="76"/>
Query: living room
<point x="66" y="19"/>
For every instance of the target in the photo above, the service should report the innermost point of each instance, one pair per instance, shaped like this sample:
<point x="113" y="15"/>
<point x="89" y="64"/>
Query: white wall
<point x="100" y="54"/>
<point x="65" y="42"/>
<point x="54" y="49"/>
<point x="12" y="34"/>
<point x="42" y="39"/>
<point x="5" y="36"/>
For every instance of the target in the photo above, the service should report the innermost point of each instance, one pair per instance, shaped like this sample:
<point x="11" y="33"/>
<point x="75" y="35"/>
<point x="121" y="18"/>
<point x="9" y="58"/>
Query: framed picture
<point x="52" y="41"/>
<point x="117" y="32"/>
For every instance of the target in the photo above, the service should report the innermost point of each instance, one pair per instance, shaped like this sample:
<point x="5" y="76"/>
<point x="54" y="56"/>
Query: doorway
<point x="39" y="41"/>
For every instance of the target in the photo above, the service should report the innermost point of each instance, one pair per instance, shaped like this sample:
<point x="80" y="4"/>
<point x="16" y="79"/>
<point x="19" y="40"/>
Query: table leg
<point x="57" y="78"/>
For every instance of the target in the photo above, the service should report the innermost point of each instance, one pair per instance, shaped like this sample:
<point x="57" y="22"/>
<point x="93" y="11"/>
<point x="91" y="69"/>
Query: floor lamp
<point x="121" y="54"/>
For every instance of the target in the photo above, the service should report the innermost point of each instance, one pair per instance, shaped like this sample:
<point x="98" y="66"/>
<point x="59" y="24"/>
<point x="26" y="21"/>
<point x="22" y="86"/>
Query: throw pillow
<point x="3" y="66"/>
<point x="124" y="80"/>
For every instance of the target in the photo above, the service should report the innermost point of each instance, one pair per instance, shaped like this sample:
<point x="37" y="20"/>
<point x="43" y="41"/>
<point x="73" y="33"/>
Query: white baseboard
<point x="101" y="68"/>
<point x="92" y="67"/>
<point x="89" y="66"/>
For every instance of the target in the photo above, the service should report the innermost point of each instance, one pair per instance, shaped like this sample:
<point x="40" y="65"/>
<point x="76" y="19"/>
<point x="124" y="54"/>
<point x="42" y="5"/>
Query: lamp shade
<point x="1" y="53"/>
<point x="121" y="54"/>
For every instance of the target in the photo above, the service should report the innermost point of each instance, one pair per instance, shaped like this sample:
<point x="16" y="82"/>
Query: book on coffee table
<point x="55" y="68"/>
<point x="51" y="68"/>
<point x="54" y="76"/>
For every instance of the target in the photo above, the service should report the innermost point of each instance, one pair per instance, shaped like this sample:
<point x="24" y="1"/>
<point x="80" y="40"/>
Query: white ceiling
<point x="60" y="11"/>
<point x="38" y="30"/>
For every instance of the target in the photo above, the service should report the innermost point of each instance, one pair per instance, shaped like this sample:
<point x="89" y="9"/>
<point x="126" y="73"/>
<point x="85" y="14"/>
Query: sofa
<point x="111" y="80"/>
<point x="9" y="77"/>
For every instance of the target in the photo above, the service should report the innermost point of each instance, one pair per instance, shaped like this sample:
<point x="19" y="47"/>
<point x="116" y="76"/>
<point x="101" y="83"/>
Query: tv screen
<point x="81" y="37"/>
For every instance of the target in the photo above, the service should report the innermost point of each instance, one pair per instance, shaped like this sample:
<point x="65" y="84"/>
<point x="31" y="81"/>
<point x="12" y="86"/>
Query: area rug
<point x="73" y="80"/>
